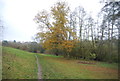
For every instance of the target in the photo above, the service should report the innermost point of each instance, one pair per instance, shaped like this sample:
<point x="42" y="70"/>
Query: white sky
<point x="17" y="15"/>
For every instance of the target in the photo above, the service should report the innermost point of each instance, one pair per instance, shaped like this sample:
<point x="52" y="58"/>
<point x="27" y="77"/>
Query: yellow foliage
<point x="57" y="37"/>
<point x="68" y="45"/>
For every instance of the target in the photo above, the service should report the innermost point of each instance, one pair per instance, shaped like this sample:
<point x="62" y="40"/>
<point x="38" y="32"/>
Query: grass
<point x="54" y="67"/>
<point x="18" y="64"/>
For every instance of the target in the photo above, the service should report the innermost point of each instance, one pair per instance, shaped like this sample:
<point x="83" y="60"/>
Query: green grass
<point x="54" y="67"/>
<point x="108" y="65"/>
<point x="18" y="64"/>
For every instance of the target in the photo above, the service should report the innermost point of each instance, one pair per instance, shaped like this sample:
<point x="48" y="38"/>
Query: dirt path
<point x="39" y="68"/>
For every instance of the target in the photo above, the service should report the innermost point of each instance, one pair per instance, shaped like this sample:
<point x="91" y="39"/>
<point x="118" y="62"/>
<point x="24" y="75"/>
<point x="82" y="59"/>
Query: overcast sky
<point x="17" y="15"/>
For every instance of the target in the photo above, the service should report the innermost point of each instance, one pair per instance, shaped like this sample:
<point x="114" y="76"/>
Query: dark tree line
<point x="99" y="37"/>
<point x="27" y="46"/>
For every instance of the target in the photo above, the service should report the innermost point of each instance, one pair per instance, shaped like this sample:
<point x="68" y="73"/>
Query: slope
<point x="18" y="64"/>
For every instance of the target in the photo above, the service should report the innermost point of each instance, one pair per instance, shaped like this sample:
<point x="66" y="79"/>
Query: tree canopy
<point x="56" y="36"/>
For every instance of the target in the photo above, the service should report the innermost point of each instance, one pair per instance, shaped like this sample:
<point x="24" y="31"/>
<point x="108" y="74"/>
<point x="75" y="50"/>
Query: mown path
<point x="39" y="68"/>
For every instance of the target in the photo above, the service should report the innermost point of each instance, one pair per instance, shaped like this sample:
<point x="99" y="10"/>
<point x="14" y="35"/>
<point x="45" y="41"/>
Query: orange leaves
<point x="68" y="45"/>
<point x="57" y="37"/>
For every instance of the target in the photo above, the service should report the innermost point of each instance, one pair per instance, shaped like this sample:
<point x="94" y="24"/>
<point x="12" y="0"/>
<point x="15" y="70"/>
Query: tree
<point x="108" y="33"/>
<point x="56" y="37"/>
<point x="81" y="19"/>
<point x="73" y="22"/>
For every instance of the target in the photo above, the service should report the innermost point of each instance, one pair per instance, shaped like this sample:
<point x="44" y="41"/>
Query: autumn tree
<point x="56" y="36"/>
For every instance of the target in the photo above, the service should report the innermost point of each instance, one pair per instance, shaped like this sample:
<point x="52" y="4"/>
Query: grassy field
<point x="18" y="64"/>
<point x="54" y="67"/>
